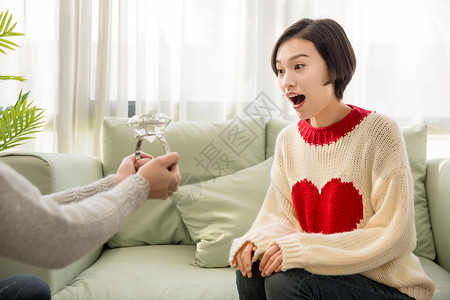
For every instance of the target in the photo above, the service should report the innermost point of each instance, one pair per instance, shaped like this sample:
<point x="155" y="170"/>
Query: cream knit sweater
<point x="341" y="202"/>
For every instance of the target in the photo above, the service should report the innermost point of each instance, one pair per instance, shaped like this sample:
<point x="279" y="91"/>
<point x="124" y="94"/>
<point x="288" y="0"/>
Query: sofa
<point x="178" y="248"/>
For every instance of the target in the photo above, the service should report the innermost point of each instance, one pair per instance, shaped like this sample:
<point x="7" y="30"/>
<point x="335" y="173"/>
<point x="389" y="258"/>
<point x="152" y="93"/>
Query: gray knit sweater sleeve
<point x="80" y="193"/>
<point x="54" y="230"/>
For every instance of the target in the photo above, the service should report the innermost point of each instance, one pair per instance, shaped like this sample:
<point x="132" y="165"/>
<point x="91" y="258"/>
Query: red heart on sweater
<point x="336" y="208"/>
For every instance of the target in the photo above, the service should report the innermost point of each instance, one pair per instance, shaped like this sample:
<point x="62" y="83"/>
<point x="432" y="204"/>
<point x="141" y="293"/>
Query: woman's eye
<point x="279" y="71"/>
<point x="299" y="66"/>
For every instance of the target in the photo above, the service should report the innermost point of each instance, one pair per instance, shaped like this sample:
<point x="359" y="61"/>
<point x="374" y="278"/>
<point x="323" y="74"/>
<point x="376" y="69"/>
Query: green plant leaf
<point x="2" y="129"/>
<point x="20" y="121"/>
<point x="15" y="34"/>
<point x="9" y="42"/>
<point x="4" y="24"/>
<point x="6" y="46"/>
<point x="11" y="77"/>
<point x="7" y="124"/>
<point x="13" y="117"/>
<point x="12" y="28"/>
<point x="7" y="31"/>
<point x="9" y="22"/>
<point x="3" y="20"/>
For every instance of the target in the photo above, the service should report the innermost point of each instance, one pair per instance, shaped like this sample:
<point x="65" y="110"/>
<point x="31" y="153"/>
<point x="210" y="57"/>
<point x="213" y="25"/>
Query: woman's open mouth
<point x="297" y="99"/>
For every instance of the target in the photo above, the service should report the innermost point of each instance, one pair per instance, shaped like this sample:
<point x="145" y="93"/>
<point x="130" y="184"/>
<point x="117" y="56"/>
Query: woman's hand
<point x="129" y="166"/>
<point x="163" y="175"/>
<point x="243" y="259"/>
<point x="271" y="261"/>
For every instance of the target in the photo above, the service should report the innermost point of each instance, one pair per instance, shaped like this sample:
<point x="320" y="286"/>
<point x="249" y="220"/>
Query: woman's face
<point x="302" y="73"/>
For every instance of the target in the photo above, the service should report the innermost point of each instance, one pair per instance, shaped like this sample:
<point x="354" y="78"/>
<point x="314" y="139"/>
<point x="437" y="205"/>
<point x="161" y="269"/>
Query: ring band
<point x="159" y="137"/>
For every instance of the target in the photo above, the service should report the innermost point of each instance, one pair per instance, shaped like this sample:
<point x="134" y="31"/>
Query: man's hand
<point x="163" y="175"/>
<point x="271" y="261"/>
<point x="243" y="259"/>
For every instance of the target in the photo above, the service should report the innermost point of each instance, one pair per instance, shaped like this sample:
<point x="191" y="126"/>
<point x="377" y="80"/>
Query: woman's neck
<point x="331" y="114"/>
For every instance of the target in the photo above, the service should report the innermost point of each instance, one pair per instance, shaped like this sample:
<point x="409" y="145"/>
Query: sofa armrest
<point x="438" y="195"/>
<point x="57" y="279"/>
<point x="53" y="172"/>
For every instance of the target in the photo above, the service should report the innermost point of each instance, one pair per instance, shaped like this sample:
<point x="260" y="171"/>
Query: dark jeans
<point x="300" y="284"/>
<point x="24" y="287"/>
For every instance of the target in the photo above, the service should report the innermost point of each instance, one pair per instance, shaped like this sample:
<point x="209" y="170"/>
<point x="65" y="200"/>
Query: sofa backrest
<point x="211" y="150"/>
<point x="416" y="147"/>
<point x="207" y="150"/>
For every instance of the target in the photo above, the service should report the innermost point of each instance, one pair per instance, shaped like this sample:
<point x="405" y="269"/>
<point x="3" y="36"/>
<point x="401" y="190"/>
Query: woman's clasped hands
<point x="271" y="261"/>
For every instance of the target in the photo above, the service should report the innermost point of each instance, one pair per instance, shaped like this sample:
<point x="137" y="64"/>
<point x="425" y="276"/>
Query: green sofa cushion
<point x="156" y="222"/>
<point x="220" y="210"/>
<point x="207" y="150"/>
<point x="416" y="146"/>
<point x="151" y="273"/>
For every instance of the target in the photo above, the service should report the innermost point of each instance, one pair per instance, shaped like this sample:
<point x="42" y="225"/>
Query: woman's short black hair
<point x="331" y="42"/>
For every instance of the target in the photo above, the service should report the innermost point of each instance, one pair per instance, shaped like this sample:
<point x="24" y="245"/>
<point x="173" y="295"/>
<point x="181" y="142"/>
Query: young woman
<point x="338" y="218"/>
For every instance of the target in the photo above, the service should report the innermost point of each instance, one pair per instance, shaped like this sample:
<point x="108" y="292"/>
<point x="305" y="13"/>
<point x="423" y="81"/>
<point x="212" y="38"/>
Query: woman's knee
<point x="286" y="284"/>
<point x="250" y="288"/>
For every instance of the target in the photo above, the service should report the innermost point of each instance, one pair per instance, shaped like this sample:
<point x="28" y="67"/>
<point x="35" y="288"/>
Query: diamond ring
<point x="149" y="127"/>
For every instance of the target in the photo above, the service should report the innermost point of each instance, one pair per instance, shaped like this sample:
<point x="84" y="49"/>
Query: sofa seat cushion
<point x="440" y="277"/>
<point x="150" y="272"/>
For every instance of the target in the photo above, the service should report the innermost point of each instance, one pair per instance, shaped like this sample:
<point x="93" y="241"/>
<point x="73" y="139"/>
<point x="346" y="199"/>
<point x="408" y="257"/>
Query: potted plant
<point x="19" y="121"/>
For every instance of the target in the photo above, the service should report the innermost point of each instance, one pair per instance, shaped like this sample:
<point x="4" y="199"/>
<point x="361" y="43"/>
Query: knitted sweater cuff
<point x="135" y="186"/>
<point x="261" y="241"/>
<point x="294" y="254"/>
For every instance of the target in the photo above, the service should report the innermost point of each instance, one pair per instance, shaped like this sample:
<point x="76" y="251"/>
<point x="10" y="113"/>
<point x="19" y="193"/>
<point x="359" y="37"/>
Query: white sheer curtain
<point x="210" y="60"/>
<point x="193" y="60"/>
<point x="73" y="102"/>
